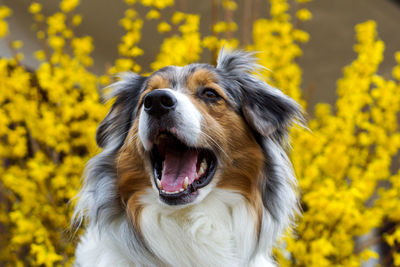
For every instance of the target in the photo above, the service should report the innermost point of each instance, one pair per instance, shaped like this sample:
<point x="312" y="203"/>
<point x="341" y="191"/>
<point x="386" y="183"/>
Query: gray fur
<point x="116" y="124"/>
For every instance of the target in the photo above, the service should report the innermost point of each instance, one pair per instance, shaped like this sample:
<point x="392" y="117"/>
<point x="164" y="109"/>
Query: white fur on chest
<point x="219" y="231"/>
<point x="216" y="232"/>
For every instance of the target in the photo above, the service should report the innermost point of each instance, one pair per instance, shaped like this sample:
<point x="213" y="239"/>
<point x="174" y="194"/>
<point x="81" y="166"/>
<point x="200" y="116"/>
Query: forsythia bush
<point x="349" y="182"/>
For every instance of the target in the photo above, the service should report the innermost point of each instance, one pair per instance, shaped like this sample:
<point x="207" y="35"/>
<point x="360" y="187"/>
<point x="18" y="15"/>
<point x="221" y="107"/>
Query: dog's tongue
<point x="177" y="166"/>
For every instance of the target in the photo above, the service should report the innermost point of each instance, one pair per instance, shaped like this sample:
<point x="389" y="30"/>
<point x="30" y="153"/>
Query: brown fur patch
<point x="204" y="78"/>
<point x="226" y="132"/>
<point x="200" y="77"/>
<point x="243" y="169"/>
<point x="158" y="82"/>
<point x="133" y="180"/>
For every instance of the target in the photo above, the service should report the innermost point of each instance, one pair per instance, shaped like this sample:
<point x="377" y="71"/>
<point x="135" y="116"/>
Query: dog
<point x="193" y="171"/>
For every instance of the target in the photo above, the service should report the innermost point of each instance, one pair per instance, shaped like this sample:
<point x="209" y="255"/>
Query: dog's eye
<point x="210" y="94"/>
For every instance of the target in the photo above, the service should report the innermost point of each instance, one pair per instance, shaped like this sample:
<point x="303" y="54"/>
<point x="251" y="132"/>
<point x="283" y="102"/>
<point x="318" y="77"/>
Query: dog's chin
<point x="180" y="172"/>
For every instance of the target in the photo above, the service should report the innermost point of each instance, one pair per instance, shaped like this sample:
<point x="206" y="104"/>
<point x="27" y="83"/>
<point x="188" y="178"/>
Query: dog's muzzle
<point x="169" y="127"/>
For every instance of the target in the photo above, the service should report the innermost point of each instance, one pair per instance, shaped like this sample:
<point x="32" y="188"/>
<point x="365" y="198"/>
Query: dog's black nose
<point x="159" y="102"/>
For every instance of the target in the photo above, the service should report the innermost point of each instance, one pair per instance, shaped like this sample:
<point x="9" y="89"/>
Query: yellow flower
<point x="17" y="44"/>
<point x="40" y="55"/>
<point x="163" y="27"/>
<point x="229" y="4"/>
<point x="56" y="42"/>
<point x="161" y="4"/>
<point x="35" y="7"/>
<point x="76" y="20"/>
<point x="397" y="57"/>
<point x="130" y="13"/>
<point x="301" y="36"/>
<point x="232" y="26"/>
<point x="178" y="17"/>
<point x="4" y="12"/>
<point x="303" y="14"/>
<point x="210" y="42"/>
<point x="220" y="27"/>
<point x="68" y="5"/>
<point x="153" y="14"/>
<point x="40" y="35"/>
<point x="3" y="28"/>
<point x="56" y="23"/>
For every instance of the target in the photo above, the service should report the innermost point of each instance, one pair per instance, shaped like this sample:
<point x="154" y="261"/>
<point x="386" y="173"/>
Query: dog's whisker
<point x="214" y="142"/>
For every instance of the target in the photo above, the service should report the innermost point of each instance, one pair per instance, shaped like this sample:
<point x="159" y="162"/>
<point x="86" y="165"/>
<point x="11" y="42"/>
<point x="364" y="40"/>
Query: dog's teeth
<point x="203" y="167"/>
<point x="159" y="184"/>
<point x="203" y="164"/>
<point x="170" y="192"/>
<point x="186" y="182"/>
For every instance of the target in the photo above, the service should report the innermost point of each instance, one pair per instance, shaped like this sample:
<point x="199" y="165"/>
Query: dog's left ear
<point x="266" y="109"/>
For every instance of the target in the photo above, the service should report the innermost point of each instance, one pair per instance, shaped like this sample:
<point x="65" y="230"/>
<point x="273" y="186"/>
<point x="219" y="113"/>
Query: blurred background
<point x="329" y="49"/>
<point x="339" y="59"/>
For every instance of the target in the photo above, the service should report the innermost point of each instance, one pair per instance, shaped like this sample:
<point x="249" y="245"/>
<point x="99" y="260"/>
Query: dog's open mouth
<point x="179" y="170"/>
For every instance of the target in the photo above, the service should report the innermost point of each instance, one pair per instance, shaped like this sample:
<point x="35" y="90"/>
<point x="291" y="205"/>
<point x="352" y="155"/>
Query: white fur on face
<point x="187" y="122"/>
<point x="143" y="129"/>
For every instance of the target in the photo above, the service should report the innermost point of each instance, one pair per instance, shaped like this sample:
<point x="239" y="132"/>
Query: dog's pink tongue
<point x="177" y="166"/>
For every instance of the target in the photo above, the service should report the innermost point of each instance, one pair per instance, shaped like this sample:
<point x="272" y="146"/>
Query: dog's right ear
<point x="115" y="126"/>
<point x="267" y="110"/>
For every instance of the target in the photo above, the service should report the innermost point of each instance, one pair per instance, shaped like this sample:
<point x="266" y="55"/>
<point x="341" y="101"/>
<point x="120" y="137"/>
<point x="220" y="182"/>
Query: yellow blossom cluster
<point x="277" y="43"/>
<point x="343" y="163"/>
<point x="47" y="122"/>
<point x="349" y="181"/>
<point x="4" y="13"/>
<point x="182" y="48"/>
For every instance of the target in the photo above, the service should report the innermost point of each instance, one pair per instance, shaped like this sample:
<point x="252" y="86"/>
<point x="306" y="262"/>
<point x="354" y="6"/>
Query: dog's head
<point x="183" y="132"/>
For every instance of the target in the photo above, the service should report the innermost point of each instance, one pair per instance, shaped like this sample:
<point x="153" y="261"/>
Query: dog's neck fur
<point x="216" y="232"/>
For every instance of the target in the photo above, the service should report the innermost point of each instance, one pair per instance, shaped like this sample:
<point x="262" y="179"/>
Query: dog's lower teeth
<point x="172" y="192"/>
<point x="203" y="164"/>
<point x="159" y="184"/>
<point x="186" y="182"/>
<point x="203" y="167"/>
